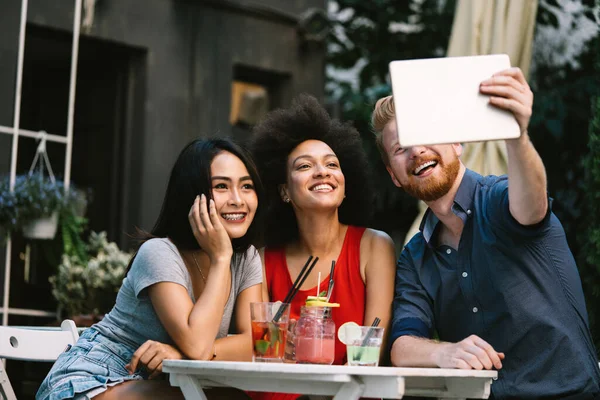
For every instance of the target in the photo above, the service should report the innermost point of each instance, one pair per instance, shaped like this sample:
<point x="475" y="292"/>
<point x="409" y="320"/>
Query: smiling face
<point x="233" y="192"/>
<point x="425" y="172"/>
<point x="314" y="177"/>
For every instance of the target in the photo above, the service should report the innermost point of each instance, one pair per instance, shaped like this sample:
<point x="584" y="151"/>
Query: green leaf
<point x="261" y="346"/>
<point x="273" y="333"/>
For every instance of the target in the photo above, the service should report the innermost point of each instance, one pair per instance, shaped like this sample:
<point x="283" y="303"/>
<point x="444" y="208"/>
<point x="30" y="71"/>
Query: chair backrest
<point x="36" y="344"/>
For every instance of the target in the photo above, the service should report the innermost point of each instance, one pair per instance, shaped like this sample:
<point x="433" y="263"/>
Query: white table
<point x="343" y="382"/>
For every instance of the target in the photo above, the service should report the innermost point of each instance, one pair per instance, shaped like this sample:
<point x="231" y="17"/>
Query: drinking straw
<point x="296" y="286"/>
<point x="370" y="333"/>
<point x="330" y="286"/>
<point x="328" y="309"/>
<point x="319" y="285"/>
<point x="289" y="293"/>
<point x="298" y="278"/>
<point x="308" y="271"/>
<point x="330" y="290"/>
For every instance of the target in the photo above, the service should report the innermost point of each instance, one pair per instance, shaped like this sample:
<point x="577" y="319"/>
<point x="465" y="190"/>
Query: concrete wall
<point x="180" y="76"/>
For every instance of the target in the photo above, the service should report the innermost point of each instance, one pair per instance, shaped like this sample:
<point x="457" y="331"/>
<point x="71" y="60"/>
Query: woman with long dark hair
<point x="188" y="286"/>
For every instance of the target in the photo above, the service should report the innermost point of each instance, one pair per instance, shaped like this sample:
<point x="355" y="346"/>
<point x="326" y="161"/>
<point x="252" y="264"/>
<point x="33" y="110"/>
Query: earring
<point x="286" y="199"/>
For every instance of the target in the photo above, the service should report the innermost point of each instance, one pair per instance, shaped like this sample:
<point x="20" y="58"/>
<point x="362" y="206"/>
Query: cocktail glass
<point x="363" y="345"/>
<point x="268" y="336"/>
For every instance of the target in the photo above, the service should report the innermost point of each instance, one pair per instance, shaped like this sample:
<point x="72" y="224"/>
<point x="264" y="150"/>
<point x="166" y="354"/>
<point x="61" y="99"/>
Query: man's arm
<point x="527" y="195"/>
<point x="470" y="353"/>
<point x="527" y="183"/>
<point x="413" y="325"/>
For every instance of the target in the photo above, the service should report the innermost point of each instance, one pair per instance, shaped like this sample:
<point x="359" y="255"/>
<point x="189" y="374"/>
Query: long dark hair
<point x="190" y="177"/>
<point x="279" y="133"/>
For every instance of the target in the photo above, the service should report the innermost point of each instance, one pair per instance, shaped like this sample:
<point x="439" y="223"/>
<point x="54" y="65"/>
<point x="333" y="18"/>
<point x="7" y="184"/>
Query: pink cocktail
<point x="311" y="350"/>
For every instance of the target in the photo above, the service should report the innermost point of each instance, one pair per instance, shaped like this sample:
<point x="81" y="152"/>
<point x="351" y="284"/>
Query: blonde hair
<point x="383" y="113"/>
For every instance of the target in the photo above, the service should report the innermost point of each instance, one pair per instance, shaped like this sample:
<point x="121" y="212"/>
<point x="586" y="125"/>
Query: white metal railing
<point x="33" y="134"/>
<point x="16" y="132"/>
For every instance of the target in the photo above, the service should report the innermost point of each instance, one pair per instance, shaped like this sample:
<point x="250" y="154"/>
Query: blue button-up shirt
<point x="517" y="287"/>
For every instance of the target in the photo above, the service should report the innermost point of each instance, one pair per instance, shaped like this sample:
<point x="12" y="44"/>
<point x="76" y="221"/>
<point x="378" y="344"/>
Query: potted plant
<point x="8" y="211"/>
<point x="34" y="205"/>
<point x="89" y="285"/>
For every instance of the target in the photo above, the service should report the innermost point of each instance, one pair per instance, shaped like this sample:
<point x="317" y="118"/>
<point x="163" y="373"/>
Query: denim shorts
<point x="87" y="368"/>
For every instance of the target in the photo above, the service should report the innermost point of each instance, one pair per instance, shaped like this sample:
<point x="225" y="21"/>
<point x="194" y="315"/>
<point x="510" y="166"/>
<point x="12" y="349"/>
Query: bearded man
<point x="490" y="272"/>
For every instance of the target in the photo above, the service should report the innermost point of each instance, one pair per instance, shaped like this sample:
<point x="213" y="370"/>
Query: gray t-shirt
<point x="133" y="320"/>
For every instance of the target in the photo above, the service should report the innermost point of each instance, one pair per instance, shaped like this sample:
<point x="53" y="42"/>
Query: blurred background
<point x="154" y="74"/>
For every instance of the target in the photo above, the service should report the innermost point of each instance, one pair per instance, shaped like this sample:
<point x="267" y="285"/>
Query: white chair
<point x="33" y="344"/>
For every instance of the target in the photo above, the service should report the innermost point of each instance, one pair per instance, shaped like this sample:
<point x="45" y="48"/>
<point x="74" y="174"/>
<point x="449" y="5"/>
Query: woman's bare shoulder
<point x="376" y="238"/>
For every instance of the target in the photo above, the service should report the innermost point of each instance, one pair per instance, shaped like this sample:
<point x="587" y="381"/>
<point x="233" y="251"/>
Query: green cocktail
<point x="363" y="344"/>
<point x="363" y="356"/>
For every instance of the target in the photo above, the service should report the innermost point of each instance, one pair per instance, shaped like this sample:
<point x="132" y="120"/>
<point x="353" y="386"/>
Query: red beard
<point x="430" y="188"/>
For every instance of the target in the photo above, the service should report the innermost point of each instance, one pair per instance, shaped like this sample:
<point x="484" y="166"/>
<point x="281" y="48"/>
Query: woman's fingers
<point x="150" y="356"/>
<point x="194" y="216"/>
<point x="153" y="349"/>
<point x="156" y="372"/>
<point x="135" y="359"/>
<point x="154" y="361"/>
<point x="216" y="221"/>
<point x="204" y="214"/>
<point x="214" y="216"/>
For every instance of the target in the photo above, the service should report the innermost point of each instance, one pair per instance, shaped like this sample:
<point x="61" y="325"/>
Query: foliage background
<point x="589" y="238"/>
<point x="89" y="284"/>
<point x="366" y="35"/>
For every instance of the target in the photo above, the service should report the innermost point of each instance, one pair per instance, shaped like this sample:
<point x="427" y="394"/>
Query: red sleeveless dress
<point x="349" y="291"/>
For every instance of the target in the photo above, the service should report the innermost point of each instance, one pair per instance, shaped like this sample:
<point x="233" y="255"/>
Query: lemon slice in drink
<point x="349" y="332"/>
<point x="318" y="303"/>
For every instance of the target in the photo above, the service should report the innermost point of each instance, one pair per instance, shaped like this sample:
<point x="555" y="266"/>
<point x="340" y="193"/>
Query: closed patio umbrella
<point x="489" y="27"/>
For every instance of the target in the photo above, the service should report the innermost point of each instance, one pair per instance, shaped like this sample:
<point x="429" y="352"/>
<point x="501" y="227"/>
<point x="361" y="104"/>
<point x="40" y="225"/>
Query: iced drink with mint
<point x="363" y="344"/>
<point x="363" y="356"/>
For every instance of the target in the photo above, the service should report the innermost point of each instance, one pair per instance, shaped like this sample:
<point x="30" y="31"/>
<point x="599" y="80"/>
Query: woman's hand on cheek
<point x="209" y="231"/>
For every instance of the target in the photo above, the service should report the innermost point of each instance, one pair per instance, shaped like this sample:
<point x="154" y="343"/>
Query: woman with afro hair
<point x="315" y="174"/>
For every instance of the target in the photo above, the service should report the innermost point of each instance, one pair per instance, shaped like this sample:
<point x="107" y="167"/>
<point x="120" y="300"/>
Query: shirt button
<point x="468" y="212"/>
<point x="475" y="309"/>
<point x="448" y="251"/>
<point x="464" y="274"/>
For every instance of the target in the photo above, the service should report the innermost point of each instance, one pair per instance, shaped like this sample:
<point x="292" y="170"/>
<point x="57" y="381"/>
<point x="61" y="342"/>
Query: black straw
<point x="303" y="279"/>
<point x="298" y="278"/>
<point x="330" y="286"/>
<point x="370" y="333"/>
<point x="296" y="286"/>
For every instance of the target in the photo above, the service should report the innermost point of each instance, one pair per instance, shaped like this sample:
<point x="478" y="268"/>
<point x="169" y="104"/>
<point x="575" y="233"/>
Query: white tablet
<point x="438" y="101"/>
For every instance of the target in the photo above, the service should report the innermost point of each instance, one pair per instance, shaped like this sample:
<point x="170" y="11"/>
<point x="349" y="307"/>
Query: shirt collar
<point x="462" y="207"/>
